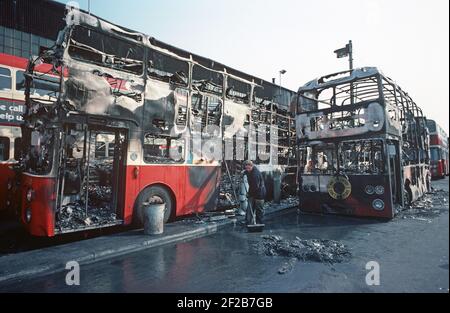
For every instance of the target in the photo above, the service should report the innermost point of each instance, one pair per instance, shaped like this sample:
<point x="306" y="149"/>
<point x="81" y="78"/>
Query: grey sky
<point x="407" y="39"/>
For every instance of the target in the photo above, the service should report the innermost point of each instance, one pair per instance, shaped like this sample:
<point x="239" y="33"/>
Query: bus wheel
<point x="148" y="193"/>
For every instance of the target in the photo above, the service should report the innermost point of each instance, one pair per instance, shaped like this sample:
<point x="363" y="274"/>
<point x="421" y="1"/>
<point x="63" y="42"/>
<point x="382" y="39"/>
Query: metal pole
<point x="350" y="56"/>
<point x="280" y="84"/>
<point x="231" y="181"/>
<point x="350" y="49"/>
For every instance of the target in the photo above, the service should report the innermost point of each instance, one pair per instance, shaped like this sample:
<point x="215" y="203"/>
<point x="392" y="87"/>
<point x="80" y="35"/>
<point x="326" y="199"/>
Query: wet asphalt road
<point x="413" y="256"/>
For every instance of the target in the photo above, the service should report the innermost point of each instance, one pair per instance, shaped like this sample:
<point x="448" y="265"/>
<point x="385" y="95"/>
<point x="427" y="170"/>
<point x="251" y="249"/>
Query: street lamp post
<point x="347" y="51"/>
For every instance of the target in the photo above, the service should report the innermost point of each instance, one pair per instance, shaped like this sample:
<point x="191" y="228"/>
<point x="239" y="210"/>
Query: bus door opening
<point x="92" y="174"/>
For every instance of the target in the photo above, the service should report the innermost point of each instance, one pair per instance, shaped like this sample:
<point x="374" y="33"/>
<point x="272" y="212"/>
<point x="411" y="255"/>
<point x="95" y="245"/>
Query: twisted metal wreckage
<point x="363" y="145"/>
<point x="119" y="124"/>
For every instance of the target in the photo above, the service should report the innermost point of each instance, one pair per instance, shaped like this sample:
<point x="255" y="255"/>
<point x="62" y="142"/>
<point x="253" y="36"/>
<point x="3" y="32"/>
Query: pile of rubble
<point x="73" y="216"/>
<point x="99" y="195"/>
<point x="227" y="195"/>
<point x="429" y="206"/>
<point x="287" y="203"/>
<point x="316" y="250"/>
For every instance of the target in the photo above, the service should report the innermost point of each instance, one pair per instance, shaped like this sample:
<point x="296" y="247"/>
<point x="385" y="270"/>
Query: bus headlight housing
<point x="378" y="204"/>
<point x="370" y="190"/>
<point x="313" y="188"/>
<point x="305" y="188"/>
<point x="28" y="215"/>
<point x="30" y="195"/>
<point x="379" y="190"/>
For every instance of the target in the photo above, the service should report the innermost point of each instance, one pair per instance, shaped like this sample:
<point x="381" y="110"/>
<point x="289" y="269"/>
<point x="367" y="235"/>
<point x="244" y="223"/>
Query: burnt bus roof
<point x="91" y="20"/>
<point x="46" y="18"/>
<point x="349" y="76"/>
<point x="328" y="81"/>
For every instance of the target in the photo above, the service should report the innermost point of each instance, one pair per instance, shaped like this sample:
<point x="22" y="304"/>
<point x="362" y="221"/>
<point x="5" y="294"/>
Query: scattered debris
<point x="226" y="195"/>
<point x="316" y="250"/>
<point x="289" y="202"/>
<point x="73" y="216"/>
<point x="99" y="195"/>
<point x="429" y="206"/>
<point x="209" y="217"/>
<point x="288" y="266"/>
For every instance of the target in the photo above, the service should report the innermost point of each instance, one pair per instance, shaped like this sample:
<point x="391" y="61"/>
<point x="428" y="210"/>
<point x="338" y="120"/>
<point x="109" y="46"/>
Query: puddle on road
<point x="316" y="250"/>
<point x="428" y="207"/>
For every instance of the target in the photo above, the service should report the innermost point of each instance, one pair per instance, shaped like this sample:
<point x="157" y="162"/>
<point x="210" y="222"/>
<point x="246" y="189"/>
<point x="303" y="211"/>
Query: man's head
<point x="248" y="165"/>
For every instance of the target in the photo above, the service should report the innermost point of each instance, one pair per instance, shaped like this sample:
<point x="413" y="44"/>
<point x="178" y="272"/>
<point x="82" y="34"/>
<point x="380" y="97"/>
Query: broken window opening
<point x="182" y="104"/>
<point x="206" y="110"/>
<point x="318" y="159"/>
<point x="167" y="68"/>
<point x="104" y="147"/>
<point x="238" y="91"/>
<point x="163" y="150"/>
<point x="207" y="81"/>
<point x="338" y="120"/>
<point x="106" y="50"/>
<point x="40" y="148"/>
<point x="364" y="157"/>
<point x="362" y="90"/>
<point x="263" y="144"/>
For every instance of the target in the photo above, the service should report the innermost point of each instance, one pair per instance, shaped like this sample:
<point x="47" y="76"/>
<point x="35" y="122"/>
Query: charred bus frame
<point x="363" y="145"/>
<point x="151" y="100"/>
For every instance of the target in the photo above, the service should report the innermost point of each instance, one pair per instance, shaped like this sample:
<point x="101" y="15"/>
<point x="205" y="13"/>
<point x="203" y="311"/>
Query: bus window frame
<point x="5" y="78"/>
<point x="174" y="79"/>
<point x="166" y="159"/>
<point x="103" y="64"/>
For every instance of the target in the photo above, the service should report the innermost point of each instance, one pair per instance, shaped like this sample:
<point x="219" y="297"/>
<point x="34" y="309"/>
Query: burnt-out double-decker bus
<point x="363" y="145"/>
<point x="133" y="120"/>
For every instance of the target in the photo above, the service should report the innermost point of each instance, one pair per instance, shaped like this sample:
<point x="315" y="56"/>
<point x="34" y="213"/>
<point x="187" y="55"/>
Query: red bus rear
<point x="439" y="154"/>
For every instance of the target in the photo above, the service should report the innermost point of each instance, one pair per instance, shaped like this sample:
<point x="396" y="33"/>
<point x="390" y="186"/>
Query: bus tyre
<point x="149" y="192"/>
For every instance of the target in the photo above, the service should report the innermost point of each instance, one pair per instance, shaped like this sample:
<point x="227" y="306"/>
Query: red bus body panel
<point x="194" y="188"/>
<point x="357" y="204"/>
<point x="42" y="206"/>
<point x="6" y="174"/>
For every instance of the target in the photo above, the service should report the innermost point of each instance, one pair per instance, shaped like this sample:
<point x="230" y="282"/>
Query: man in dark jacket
<point x="256" y="193"/>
